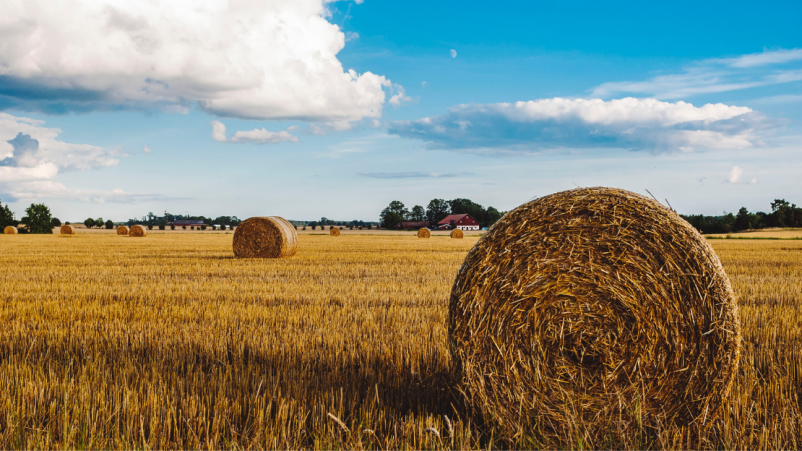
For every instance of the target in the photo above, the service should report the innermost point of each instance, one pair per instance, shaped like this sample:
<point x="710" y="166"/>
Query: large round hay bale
<point x="68" y="229"/>
<point x="10" y="230"/>
<point x="424" y="233"/>
<point x="335" y="231"/>
<point x="265" y="237"/>
<point x="595" y="307"/>
<point x="457" y="233"/>
<point x="122" y="230"/>
<point x="138" y="231"/>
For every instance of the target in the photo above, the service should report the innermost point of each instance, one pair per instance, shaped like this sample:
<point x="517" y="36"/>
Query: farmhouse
<point x="462" y="222"/>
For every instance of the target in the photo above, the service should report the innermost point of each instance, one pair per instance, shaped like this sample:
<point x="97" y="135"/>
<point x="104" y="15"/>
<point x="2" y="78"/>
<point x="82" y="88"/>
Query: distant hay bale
<point x="67" y="229"/>
<point x="265" y="237"/>
<point x="10" y="230"/>
<point x="335" y="231"/>
<point x="424" y="233"/>
<point x="457" y="233"/>
<point x="122" y="230"/>
<point x="593" y="306"/>
<point x="138" y="231"/>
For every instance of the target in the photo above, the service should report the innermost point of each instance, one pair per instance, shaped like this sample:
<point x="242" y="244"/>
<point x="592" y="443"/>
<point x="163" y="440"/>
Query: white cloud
<point x="765" y="58"/>
<point x="146" y="149"/>
<point x="557" y="123"/>
<point x="713" y="76"/>
<point x="255" y="136"/>
<point x="249" y="59"/>
<point x="399" y="96"/>
<point x="424" y="84"/>
<point x="405" y="175"/>
<point x="31" y="157"/>
<point x="736" y="176"/>
<point x="453" y="53"/>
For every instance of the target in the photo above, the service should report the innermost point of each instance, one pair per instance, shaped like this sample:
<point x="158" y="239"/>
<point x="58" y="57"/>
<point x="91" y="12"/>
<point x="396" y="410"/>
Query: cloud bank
<point x="246" y="59"/>
<point x="31" y="157"/>
<point x="643" y="124"/>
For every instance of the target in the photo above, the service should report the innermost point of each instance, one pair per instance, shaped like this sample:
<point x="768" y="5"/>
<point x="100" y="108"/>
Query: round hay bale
<point x="424" y="233"/>
<point x="122" y="230"/>
<point x="457" y="233"/>
<point x="593" y="306"/>
<point x="335" y="231"/>
<point x="67" y="229"/>
<point x="265" y="237"/>
<point x="138" y="231"/>
<point x="10" y="230"/>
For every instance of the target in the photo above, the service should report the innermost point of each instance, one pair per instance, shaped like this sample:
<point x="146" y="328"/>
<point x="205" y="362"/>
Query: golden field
<point x="169" y="342"/>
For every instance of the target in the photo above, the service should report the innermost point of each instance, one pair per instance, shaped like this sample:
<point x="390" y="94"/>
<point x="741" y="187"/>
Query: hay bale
<point x="594" y="306"/>
<point x="10" y="230"/>
<point x="457" y="233"/>
<point x="122" y="230"/>
<point x="424" y="233"/>
<point x="138" y="231"/>
<point x="335" y="231"/>
<point x="67" y="229"/>
<point x="265" y="237"/>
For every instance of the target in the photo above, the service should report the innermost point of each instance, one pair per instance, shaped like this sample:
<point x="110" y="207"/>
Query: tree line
<point x="37" y="219"/>
<point x="783" y="214"/>
<point x="152" y="220"/>
<point x="396" y="213"/>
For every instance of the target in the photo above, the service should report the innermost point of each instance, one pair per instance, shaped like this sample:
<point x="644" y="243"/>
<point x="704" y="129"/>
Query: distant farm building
<point x="189" y="222"/>
<point x="462" y="222"/>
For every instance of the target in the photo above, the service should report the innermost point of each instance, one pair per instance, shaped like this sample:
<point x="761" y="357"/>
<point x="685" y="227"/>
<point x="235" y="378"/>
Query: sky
<point x="308" y="109"/>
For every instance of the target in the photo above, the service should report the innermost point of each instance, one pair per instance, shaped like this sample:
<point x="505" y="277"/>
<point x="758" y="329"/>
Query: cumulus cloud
<point x="255" y="136"/>
<point x="736" y="176"/>
<point x="405" y="175"/>
<point x="399" y="96"/>
<point x="31" y="157"/>
<point x="556" y="123"/>
<point x="246" y="59"/>
<point x="714" y="76"/>
<point x="146" y="149"/>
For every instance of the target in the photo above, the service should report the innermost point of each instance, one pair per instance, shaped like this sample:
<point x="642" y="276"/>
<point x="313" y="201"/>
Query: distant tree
<point x="394" y="214"/>
<point x="55" y="222"/>
<point x="437" y="210"/>
<point x="6" y="217"/>
<point x="99" y="222"/>
<point x="742" y="220"/>
<point x="89" y="223"/>
<point x="39" y="219"/>
<point x="109" y="225"/>
<point x="417" y="213"/>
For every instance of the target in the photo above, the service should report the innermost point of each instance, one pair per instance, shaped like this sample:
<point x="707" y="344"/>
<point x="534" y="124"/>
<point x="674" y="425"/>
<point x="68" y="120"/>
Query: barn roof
<point x="455" y="218"/>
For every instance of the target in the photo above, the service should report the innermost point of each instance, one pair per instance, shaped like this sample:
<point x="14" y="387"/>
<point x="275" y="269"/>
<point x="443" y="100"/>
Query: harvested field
<point x="197" y="349"/>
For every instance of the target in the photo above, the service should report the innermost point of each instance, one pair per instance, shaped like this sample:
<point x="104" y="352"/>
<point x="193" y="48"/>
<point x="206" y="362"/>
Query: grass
<point x="170" y="342"/>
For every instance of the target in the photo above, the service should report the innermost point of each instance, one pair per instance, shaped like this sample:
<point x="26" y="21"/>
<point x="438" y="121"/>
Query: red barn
<point x="462" y="222"/>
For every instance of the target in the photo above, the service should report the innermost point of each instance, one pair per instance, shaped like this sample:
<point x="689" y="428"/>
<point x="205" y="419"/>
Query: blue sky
<point x="304" y="109"/>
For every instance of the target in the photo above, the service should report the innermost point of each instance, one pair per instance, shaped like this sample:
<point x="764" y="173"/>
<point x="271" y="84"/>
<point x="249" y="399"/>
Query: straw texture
<point x="67" y="229"/>
<point x="335" y="231"/>
<point x="265" y="237"/>
<point x="122" y="230"/>
<point x="10" y="230"/>
<point x="138" y="231"/>
<point x="457" y="233"/>
<point x="596" y="307"/>
<point x="424" y="233"/>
